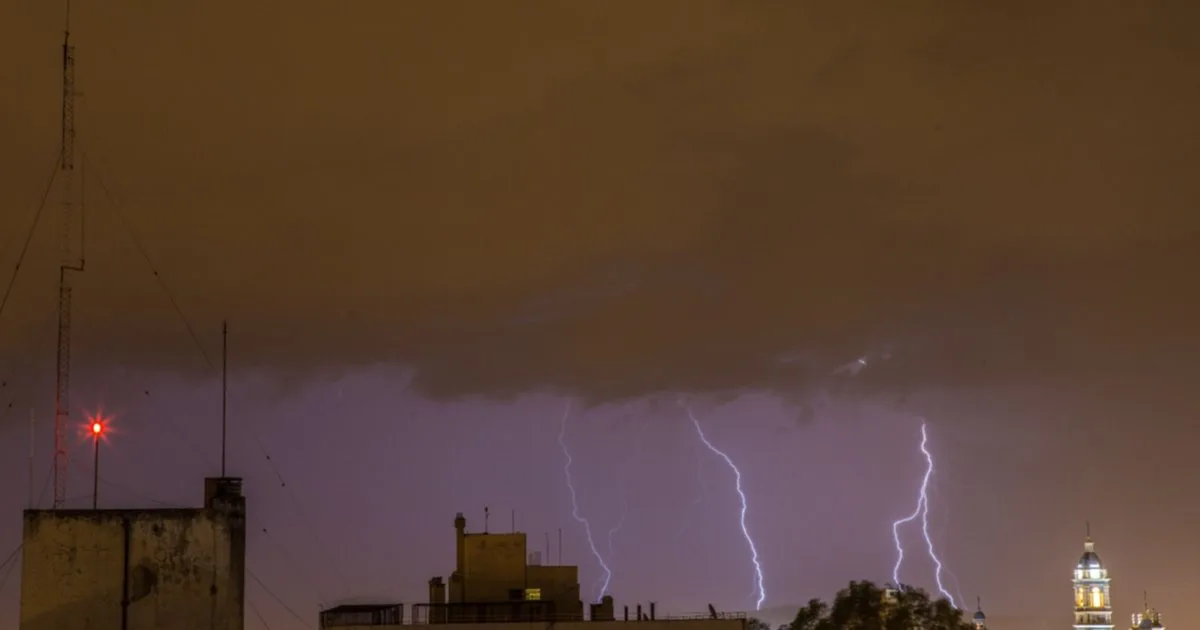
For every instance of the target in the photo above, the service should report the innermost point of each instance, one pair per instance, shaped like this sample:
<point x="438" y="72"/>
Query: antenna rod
<point x="32" y="433"/>
<point x="95" y="470"/>
<point x="560" y="546"/>
<point x="62" y="393"/>
<point x="514" y="521"/>
<point x="224" y="389"/>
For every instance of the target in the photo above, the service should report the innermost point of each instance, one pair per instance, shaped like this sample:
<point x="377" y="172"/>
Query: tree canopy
<point x="865" y="606"/>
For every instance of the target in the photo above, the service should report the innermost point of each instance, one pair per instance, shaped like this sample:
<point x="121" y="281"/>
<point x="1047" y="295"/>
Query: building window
<point x="533" y="594"/>
<point x="1097" y="597"/>
<point x="1081" y="597"/>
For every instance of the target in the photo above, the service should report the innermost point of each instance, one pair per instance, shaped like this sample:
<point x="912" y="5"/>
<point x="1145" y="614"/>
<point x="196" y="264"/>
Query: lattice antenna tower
<point x="69" y="263"/>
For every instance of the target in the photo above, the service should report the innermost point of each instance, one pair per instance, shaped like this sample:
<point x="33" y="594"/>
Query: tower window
<point x="1097" y="597"/>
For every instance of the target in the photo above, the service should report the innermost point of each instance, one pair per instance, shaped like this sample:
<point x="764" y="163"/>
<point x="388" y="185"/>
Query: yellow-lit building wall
<point x="494" y="567"/>
<point x="559" y="584"/>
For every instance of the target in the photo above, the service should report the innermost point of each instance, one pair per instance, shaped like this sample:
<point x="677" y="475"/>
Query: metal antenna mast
<point x="69" y="263"/>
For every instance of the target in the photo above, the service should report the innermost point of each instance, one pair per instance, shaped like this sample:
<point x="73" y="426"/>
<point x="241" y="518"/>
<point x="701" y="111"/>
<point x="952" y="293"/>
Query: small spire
<point x="1088" y="530"/>
<point x="978" y="603"/>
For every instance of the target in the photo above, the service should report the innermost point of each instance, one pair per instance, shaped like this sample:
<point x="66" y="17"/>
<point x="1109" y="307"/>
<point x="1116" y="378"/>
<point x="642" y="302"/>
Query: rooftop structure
<point x="155" y="568"/>
<point x="496" y="581"/>
<point x="1148" y="619"/>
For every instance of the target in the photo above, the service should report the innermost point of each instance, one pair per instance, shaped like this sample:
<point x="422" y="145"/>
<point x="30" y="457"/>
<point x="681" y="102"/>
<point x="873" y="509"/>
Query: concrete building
<point x="156" y="569"/>
<point x="497" y="582"/>
<point x="496" y="579"/>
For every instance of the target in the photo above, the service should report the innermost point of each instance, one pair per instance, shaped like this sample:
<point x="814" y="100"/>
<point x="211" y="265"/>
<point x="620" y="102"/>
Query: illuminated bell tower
<point x="980" y="619"/>
<point x="1093" y="605"/>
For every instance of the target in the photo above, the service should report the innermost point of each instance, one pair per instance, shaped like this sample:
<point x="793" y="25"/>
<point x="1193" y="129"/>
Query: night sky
<point x="431" y="224"/>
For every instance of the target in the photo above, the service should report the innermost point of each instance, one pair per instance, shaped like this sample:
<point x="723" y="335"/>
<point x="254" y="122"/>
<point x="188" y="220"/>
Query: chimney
<point x="603" y="610"/>
<point x="627" y="613"/>
<point x="437" y="600"/>
<point x="639" y="612"/>
<point x="460" y="542"/>
<point x="651" y="611"/>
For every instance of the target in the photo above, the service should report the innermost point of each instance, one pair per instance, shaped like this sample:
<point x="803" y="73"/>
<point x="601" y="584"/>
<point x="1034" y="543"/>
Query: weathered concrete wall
<point x="494" y="564"/>
<point x="178" y="569"/>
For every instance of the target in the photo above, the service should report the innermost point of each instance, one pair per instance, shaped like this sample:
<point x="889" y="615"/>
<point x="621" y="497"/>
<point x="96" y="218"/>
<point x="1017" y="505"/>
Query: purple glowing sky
<point x="431" y="224"/>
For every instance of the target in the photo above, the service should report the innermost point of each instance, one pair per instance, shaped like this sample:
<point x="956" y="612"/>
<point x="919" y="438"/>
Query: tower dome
<point x="1090" y="559"/>
<point x="979" y="619"/>
<point x="1093" y="604"/>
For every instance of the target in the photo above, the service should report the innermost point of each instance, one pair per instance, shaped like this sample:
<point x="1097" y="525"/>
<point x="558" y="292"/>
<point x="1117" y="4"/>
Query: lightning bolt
<point x="587" y="526"/>
<point x="612" y="532"/>
<point x="759" y="589"/>
<point x="922" y="511"/>
<point x="935" y="492"/>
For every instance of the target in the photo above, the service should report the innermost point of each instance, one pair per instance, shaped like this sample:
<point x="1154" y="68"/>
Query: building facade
<point x="1093" y="600"/>
<point x="496" y="579"/>
<point x="497" y="582"/>
<point x="133" y="569"/>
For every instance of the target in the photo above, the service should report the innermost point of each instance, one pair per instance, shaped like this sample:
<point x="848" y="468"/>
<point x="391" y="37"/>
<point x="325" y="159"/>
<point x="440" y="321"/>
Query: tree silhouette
<point x="865" y="606"/>
<point x="754" y="623"/>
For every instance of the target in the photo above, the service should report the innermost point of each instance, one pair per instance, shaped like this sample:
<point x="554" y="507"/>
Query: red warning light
<point x="96" y="427"/>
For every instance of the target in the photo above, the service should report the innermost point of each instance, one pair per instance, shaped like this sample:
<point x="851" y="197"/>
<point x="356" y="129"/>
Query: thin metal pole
<point x="224" y="389"/>
<point x="32" y="433"/>
<point x="95" y="471"/>
<point x="560" y="547"/>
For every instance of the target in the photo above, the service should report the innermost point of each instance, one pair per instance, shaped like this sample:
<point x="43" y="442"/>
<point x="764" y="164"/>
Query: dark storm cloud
<point x="614" y="203"/>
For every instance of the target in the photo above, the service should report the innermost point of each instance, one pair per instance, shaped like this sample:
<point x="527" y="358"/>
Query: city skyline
<point x="432" y="227"/>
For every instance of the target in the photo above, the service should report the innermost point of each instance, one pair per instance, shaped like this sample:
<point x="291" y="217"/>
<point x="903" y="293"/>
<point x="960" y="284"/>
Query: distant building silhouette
<point x="1148" y="619"/>
<point x="496" y="581"/>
